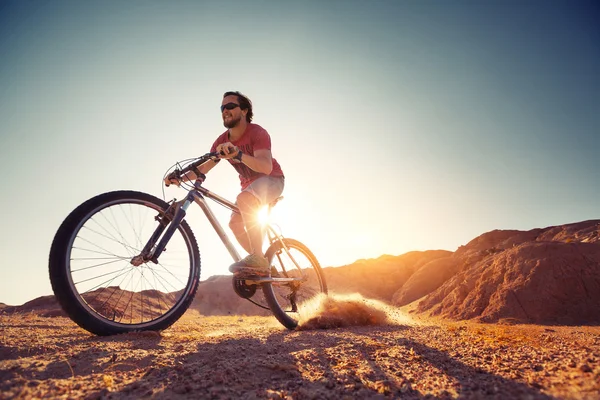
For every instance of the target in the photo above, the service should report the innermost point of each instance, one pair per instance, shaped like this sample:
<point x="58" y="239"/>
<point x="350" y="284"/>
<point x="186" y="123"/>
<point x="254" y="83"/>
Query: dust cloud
<point x="337" y="311"/>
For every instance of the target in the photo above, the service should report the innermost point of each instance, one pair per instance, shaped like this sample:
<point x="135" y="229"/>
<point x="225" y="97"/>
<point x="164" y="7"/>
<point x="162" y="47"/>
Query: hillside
<point x="424" y="338"/>
<point x="544" y="276"/>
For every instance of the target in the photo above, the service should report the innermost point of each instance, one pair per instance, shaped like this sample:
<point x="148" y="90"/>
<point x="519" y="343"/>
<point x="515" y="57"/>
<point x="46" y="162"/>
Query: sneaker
<point x="251" y="265"/>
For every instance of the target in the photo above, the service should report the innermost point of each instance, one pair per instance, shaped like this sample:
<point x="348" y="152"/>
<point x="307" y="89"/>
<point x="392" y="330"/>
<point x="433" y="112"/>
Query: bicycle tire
<point x="275" y="294"/>
<point x="165" y="304"/>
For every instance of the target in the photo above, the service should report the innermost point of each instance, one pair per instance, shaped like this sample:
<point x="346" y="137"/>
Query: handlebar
<point x="201" y="160"/>
<point x="192" y="167"/>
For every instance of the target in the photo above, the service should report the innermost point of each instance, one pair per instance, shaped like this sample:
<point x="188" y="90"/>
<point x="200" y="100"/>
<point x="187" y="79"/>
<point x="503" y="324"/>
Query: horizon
<point x="371" y="259"/>
<point x="400" y="126"/>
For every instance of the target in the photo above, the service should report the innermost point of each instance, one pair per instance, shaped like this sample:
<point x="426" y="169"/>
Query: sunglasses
<point x="229" y="106"/>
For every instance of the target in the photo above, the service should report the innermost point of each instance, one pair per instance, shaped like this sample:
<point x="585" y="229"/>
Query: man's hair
<point x="245" y="103"/>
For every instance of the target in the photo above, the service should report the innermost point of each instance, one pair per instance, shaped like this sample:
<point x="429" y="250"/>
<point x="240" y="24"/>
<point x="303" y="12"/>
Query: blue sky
<point x="400" y="125"/>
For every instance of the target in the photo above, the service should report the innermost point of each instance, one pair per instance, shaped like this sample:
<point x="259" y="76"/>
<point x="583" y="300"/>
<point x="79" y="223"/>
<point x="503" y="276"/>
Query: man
<point x="247" y="146"/>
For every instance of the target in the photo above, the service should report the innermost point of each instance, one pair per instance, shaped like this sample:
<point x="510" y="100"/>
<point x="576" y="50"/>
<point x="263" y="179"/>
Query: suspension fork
<point x="172" y="219"/>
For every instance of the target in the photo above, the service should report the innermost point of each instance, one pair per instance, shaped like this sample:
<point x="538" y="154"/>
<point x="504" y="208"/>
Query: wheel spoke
<point x="99" y="247"/>
<point x="117" y="229"/>
<point x="121" y="272"/>
<point x="121" y="242"/>
<point x="93" y="266"/>
<point x="97" y="252"/>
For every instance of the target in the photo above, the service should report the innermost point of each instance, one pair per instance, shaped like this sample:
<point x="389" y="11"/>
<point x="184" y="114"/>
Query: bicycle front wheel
<point x="292" y="259"/>
<point x="94" y="276"/>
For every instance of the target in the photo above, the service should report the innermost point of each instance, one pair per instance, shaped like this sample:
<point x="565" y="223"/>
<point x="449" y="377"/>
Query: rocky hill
<point x="45" y="306"/>
<point x="381" y="277"/>
<point x="373" y="278"/>
<point x="544" y="276"/>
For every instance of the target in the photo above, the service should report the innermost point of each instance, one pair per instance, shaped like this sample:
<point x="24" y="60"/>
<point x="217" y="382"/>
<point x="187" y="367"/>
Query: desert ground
<point x="510" y="315"/>
<point x="373" y="352"/>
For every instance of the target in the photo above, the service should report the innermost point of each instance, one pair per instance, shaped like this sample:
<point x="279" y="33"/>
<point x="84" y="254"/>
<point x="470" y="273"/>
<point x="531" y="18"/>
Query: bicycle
<point x="128" y="261"/>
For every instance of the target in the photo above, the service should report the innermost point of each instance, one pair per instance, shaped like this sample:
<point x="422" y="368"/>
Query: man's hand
<point x="172" y="179"/>
<point x="227" y="150"/>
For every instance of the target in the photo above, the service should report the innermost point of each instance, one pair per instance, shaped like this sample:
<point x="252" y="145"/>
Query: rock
<point x="425" y="280"/>
<point x="550" y="281"/>
<point x="586" y="368"/>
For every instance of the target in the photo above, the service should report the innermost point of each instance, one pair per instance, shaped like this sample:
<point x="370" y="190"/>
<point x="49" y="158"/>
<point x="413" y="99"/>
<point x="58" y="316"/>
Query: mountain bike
<point x="128" y="261"/>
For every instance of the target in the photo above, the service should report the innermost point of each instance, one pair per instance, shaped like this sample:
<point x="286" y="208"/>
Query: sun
<point x="263" y="215"/>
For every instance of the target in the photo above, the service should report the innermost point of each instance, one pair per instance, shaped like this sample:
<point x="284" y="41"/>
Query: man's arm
<point x="261" y="162"/>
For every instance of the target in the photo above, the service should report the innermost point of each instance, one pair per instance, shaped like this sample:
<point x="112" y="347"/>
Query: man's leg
<point x="249" y="207"/>
<point x="236" y="223"/>
<point x="250" y="232"/>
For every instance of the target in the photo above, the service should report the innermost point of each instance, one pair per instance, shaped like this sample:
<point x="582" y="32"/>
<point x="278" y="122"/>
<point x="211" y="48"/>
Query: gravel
<point x="255" y="358"/>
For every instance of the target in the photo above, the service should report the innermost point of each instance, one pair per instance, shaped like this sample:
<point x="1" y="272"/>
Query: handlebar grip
<point x="176" y="174"/>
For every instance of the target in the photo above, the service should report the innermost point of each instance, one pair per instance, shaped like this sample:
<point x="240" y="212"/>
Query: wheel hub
<point x="137" y="260"/>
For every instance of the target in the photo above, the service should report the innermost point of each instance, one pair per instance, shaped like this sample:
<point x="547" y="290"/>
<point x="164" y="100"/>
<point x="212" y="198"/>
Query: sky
<point x="400" y="125"/>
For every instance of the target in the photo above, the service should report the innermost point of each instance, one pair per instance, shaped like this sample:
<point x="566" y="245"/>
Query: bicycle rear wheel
<point x="96" y="282"/>
<point x="294" y="260"/>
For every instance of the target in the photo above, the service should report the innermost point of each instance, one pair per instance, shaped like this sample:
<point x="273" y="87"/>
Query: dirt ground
<point x="255" y="357"/>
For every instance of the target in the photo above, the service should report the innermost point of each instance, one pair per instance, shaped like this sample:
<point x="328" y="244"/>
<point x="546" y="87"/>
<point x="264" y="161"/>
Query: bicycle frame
<point x="197" y="194"/>
<point x="101" y="259"/>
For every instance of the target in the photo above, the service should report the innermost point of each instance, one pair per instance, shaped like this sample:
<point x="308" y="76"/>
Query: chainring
<point x="243" y="290"/>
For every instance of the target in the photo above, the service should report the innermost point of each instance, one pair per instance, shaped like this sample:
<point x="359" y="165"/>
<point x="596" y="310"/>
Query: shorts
<point x="266" y="188"/>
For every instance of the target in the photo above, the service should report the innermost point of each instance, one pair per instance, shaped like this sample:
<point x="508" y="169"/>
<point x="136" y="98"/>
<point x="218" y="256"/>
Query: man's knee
<point x="247" y="201"/>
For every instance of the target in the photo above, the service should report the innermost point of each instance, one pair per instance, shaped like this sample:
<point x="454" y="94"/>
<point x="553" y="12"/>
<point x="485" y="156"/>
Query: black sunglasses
<point x="229" y="106"/>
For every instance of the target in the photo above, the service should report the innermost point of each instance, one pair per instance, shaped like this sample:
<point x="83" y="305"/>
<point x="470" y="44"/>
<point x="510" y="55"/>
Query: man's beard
<point x="232" y="122"/>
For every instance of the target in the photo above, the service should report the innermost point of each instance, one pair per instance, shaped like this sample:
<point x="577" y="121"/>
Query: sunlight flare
<point x="263" y="216"/>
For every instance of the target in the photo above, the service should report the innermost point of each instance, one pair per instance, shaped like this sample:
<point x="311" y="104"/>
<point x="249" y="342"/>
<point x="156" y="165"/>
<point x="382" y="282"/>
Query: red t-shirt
<point x="254" y="138"/>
